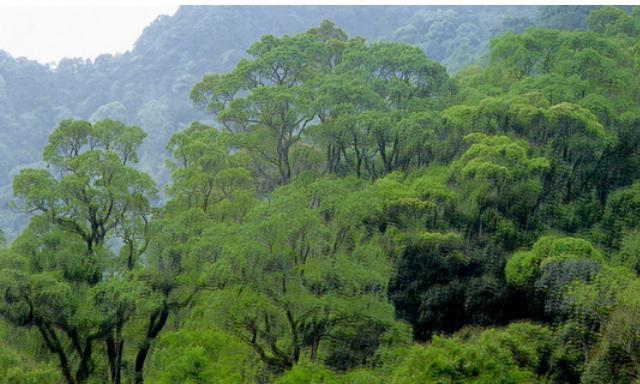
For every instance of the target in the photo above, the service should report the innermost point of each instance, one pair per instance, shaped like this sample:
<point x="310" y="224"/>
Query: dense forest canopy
<point x="345" y="211"/>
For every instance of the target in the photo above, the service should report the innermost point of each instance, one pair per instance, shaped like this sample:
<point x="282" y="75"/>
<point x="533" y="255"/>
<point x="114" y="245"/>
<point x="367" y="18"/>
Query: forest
<point x="149" y="85"/>
<point x="348" y="211"/>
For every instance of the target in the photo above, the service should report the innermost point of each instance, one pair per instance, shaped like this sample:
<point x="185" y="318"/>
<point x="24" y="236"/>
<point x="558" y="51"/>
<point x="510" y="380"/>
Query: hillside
<point x="149" y="86"/>
<point x="345" y="211"/>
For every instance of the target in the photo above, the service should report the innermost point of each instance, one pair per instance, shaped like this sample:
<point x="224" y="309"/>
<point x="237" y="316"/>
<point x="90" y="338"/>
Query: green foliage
<point x="269" y="102"/>
<point x="571" y="347"/>
<point x="497" y="171"/>
<point x="567" y="17"/>
<point x="204" y="171"/>
<point x="616" y="356"/>
<point x="194" y="356"/>
<point x="509" y="356"/>
<point x="349" y="199"/>
<point x="60" y="276"/>
<point x="612" y="21"/>
<point x="622" y="213"/>
<point x="303" y="276"/>
<point x="19" y="368"/>
<point x="522" y="268"/>
<point x="629" y="254"/>
<point x="550" y="273"/>
<point x="308" y="374"/>
<point x="457" y="36"/>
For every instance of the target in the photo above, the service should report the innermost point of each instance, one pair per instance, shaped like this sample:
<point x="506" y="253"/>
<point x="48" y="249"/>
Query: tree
<point x="500" y="165"/>
<point x="204" y="171"/>
<point x="532" y="52"/>
<point x="622" y="213"/>
<point x="203" y="356"/>
<point x="407" y="86"/>
<point x="511" y="355"/>
<point x="567" y="17"/>
<point x="304" y="270"/>
<point x="369" y="101"/>
<point x="617" y="354"/>
<point x="211" y="189"/>
<point x="613" y="20"/>
<point x="63" y="278"/>
<point x="265" y="100"/>
<point x="426" y="290"/>
<point x="549" y="270"/>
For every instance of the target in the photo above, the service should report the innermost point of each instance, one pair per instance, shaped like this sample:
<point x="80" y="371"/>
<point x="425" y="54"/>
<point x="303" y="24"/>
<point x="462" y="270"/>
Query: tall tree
<point x="68" y="279"/>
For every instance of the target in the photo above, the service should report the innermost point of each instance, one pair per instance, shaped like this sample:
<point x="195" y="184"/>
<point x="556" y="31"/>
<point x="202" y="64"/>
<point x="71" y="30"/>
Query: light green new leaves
<point x="203" y="357"/>
<point x="524" y="266"/>
<point x="494" y="356"/>
<point x="205" y="170"/>
<point x="303" y="267"/>
<point x="499" y="159"/>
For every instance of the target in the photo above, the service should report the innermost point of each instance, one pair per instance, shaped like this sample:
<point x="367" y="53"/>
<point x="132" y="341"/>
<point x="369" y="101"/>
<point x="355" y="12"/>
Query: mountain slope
<point x="149" y="85"/>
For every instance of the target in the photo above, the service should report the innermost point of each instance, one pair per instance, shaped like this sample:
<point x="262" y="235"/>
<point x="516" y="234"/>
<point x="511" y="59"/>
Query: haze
<point x="50" y="33"/>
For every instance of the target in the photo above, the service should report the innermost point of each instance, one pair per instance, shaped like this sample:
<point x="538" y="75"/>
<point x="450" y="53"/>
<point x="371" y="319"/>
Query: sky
<point x="51" y="32"/>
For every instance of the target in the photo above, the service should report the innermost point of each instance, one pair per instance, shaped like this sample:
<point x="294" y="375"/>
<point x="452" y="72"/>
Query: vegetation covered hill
<point x="356" y="215"/>
<point x="149" y="86"/>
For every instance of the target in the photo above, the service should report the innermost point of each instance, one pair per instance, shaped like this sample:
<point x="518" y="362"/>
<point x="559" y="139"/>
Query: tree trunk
<point x="52" y="342"/>
<point x="114" y="353"/>
<point x="315" y="344"/>
<point x="84" y="369"/>
<point x="156" y="323"/>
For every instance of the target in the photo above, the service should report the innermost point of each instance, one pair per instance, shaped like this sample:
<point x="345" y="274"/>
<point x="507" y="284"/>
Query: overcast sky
<point x="49" y="33"/>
